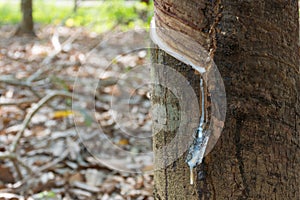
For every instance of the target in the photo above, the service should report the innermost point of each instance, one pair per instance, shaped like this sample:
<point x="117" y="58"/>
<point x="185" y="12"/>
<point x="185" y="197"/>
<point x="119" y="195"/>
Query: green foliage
<point x="46" y="195"/>
<point x="9" y="13"/>
<point x="46" y="12"/>
<point x="102" y="17"/>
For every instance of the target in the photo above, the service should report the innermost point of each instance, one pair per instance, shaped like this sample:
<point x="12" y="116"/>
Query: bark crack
<point x="213" y="187"/>
<point x="202" y="181"/>
<point x="165" y="142"/>
<point x="239" y="157"/>
<point x="213" y="31"/>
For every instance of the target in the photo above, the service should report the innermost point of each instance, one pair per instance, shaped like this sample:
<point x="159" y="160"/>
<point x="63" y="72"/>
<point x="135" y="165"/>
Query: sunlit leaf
<point x="69" y="22"/>
<point x="123" y="141"/>
<point x="63" y="113"/>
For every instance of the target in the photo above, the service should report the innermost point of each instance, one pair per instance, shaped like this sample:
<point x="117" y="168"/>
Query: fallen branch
<point x="15" y="160"/>
<point x="7" y="155"/>
<point x="10" y="196"/>
<point x="11" y="81"/>
<point x="20" y="162"/>
<point x="17" y="102"/>
<point x="33" y="111"/>
<point x="46" y="62"/>
<point x="17" y="168"/>
<point x="11" y="154"/>
<point x="37" y="171"/>
<point x="53" y="162"/>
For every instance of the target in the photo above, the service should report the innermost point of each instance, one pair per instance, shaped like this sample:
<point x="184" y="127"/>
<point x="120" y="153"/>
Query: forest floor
<point x="75" y="121"/>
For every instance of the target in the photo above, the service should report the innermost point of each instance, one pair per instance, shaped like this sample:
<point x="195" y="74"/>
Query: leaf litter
<point x="49" y="160"/>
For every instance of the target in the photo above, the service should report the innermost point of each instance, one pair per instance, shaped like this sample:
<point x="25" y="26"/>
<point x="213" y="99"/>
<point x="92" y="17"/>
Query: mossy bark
<point x="257" y="53"/>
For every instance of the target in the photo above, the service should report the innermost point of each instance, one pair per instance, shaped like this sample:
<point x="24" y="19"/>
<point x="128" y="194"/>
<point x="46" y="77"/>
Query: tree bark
<point x="257" y="53"/>
<point x="75" y="8"/>
<point x="26" y="26"/>
<point x="171" y="176"/>
<point x="146" y="1"/>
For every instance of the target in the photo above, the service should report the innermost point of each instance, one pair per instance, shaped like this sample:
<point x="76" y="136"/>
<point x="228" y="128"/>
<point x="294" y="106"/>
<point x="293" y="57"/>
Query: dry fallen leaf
<point x="123" y="142"/>
<point x="75" y="177"/>
<point x="52" y="129"/>
<point x="6" y="175"/>
<point x="63" y="114"/>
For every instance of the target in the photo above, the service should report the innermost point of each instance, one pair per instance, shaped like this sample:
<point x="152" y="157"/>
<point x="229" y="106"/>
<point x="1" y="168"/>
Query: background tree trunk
<point x="146" y="1"/>
<point x="258" y="154"/>
<point x="26" y="26"/>
<point x="75" y="8"/>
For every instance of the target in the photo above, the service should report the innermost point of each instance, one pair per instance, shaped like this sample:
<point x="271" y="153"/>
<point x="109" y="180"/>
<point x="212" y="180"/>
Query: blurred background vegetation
<point x="97" y="15"/>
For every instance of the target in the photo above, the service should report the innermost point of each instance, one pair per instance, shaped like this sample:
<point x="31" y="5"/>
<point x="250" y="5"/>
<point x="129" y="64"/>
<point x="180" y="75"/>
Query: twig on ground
<point x="11" y="153"/>
<point x="17" y="168"/>
<point x="41" y="169"/>
<point x="46" y="62"/>
<point x="15" y="160"/>
<point x="29" y="170"/>
<point x="53" y="162"/>
<point x="17" y="102"/>
<point x="6" y="195"/>
<point x="34" y="110"/>
<point x="7" y="155"/>
<point x="12" y="81"/>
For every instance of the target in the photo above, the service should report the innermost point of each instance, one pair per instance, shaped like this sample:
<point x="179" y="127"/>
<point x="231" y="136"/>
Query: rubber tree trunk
<point x="257" y="53"/>
<point x="26" y="26"/>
